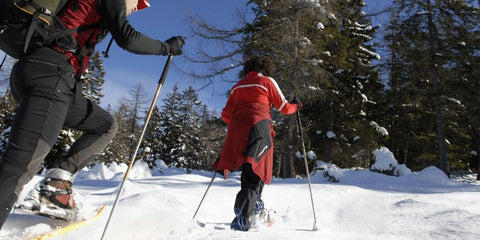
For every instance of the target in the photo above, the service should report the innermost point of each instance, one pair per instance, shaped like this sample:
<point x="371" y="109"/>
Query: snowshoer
<point x="249" y="142"/>
<point x="45" y="84"/>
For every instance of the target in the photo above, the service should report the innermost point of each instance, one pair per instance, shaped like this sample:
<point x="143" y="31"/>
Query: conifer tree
<point x="137" y="101"/>
<point x="93" y="79"/>
<point x="323" y="56"/>
<point x="212" y="134"/>
<point x="119" y="149"/>
<point x="151" y="148"/>
<point x="172" y="127"/>
<point x="426" y="41"/>
<point x="192" y="149"/>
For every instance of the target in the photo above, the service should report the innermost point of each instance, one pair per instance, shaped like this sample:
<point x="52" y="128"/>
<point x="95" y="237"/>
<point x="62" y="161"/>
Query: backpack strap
<point x="34" y="27"/>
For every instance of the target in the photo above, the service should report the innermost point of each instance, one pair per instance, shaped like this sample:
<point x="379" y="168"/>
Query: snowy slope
<point x="362" y="205"/>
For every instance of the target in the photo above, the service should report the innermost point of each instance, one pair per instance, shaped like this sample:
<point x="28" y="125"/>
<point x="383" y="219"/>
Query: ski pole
<point x="132" y="159"/>
<point x="308" y="171"/>
<point x="205" y="194"/>
<point x="3" y="61"/>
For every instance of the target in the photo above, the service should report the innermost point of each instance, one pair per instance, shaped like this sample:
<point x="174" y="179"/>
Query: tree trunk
<point x="478" y="152"/>
<point x="327" y="151"/>
<point x="287" y="134"/>
<point x="442" y="144"/>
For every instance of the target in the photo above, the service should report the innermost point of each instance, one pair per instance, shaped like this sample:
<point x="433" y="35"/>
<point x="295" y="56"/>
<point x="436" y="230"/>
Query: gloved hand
<point x="295" y="100"/>
<point x="175" y="45"/>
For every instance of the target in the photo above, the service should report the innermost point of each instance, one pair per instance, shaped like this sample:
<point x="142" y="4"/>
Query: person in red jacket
<point x="249" y="142"/>
<point x="45" y="83"/>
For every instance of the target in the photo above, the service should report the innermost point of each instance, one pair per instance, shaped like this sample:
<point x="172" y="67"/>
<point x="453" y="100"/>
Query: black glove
<point x="175" y="45"/>
<point x="296" y="101"/>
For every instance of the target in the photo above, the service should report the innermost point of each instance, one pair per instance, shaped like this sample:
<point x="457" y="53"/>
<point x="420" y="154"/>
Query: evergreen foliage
<point x="323" y="56"/>
<point x="93" y="79"/>
<point x="120" y="148"/>
<point x="7" y="113"/>
<point x="433" y="53"/>
<point x="151" y="148"/>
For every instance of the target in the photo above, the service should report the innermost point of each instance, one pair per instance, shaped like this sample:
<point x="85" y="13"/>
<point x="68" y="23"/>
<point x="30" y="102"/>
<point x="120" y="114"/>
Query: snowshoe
<point x="31" y="203"/>
<point x="52" y="197"/>
<point x="265" y="217"/>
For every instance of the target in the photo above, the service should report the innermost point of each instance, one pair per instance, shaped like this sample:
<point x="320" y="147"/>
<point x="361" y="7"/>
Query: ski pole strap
<point x="105" y="53"/>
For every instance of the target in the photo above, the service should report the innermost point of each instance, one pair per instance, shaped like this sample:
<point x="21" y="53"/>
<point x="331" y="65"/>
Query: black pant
<point x="251" y="189"/>
<point x="43" y="85"/>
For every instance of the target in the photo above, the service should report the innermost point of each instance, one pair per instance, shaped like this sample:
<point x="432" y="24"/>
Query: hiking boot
<point x="58" y="192"/>
<point x="56" y="195"/>
<point x="238" y="222"/>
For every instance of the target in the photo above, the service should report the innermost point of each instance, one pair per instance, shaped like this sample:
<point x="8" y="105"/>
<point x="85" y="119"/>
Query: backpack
<point x="29" y="24"/>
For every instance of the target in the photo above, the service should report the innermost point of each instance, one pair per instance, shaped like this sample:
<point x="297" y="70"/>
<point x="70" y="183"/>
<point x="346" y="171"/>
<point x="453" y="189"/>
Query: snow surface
<point x="160" y="204"/>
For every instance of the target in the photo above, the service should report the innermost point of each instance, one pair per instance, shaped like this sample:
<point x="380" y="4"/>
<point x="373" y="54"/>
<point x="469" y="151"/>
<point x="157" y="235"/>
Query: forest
<point x="412" y="86"/>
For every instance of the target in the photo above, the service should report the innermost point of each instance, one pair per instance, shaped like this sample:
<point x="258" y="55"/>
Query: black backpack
<point x="29" y="24"/>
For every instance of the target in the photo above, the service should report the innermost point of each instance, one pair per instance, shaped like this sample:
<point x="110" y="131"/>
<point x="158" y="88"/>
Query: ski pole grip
<point x="165" y="70"/>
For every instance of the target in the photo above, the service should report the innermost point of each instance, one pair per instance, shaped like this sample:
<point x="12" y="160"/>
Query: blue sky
<point x="162" y="20"/>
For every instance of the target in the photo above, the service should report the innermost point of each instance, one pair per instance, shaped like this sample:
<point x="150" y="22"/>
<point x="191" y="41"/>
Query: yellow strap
<point x="47" y="19"/>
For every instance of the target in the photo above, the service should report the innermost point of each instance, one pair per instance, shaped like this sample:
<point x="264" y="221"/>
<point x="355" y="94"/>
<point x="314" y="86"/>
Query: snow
<point x="386" y="162"/>
<point x="320" y="25"/>
<point x="380" y="129"/>
<point x="363" y="204"/>
<point x="331" y="134"/>
<point x="374" y="54"/>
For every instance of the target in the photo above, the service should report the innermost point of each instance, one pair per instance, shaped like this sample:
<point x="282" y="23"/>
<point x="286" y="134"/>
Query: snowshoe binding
<point x="52" y="197"/>
<point x="262" y="215"/>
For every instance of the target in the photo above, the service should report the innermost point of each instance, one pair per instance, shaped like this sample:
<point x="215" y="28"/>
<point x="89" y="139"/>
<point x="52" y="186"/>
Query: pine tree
<point x="172" y="127"/>
<point x="212" y="134"/>
<point x="192" y="148"/>
<point x="119" y="149"/>
<point x="152" y="146"/>
<point x="137" y="101"/>
<point x="463" y="119"/>
<point x="425" y="40"/>
<point x="93" y="79"/>
<point x="323" y="56"/>
<point x="360" y="85"/>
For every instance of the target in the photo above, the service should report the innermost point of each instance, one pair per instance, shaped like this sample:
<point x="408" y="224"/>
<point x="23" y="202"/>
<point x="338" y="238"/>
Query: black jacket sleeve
<point x="114" y="18"/>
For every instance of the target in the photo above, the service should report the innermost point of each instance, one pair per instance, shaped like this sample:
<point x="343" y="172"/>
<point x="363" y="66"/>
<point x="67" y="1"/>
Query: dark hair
<point x="263" y="64"/>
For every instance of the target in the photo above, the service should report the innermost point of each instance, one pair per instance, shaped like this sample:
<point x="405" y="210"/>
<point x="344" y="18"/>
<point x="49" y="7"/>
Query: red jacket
<point x="250" y="131"/>
<point x="85" y="13"/>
